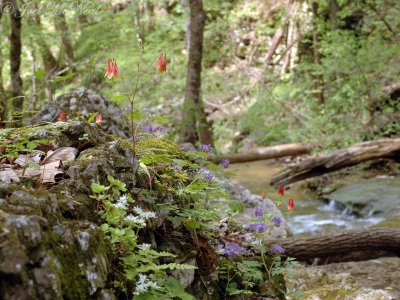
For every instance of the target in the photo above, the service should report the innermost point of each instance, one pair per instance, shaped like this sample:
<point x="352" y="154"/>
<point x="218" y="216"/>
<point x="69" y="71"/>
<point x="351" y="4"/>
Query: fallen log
<point x="384" y="148"/>
<point x="376" y="240"/>
<point x="264" y="153"/>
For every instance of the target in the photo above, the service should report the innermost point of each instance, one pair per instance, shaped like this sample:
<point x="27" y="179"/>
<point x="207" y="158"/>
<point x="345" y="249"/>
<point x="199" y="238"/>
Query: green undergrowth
<point x="159" y="222"/>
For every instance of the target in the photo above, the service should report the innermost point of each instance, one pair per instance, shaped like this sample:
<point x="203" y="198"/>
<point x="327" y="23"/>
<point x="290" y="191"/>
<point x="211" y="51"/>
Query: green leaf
<point x="158" y="119"/>
<point x="65" y="77"/>
<point x="236" y="207"/>
<point x="121" y="185"/>
<point x="144" y="168"/>
<point x="98" y="188"/>
<point x="104" y="227"/>
<point x="135" y="117"/>
<point x="117" y="98"/>
<point x="40" y="74"/>
<point x="192" y="224"/>
<point x="92" y="116"/>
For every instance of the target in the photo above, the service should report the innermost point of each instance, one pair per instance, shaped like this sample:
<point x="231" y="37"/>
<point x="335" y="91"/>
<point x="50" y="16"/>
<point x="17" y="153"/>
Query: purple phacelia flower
<point x="277" y="221"/>
<point x="232" y="249"/>
<point x="258" y="227"/>
<point x="148" y="128"/>
<point x="225" y="163"/>
<point x="205" y="148"/>
<point x="176" y="166"/>
<point x="207" y="174"/>
<point x="276" y="248"/>
<point x="258" y="212"/>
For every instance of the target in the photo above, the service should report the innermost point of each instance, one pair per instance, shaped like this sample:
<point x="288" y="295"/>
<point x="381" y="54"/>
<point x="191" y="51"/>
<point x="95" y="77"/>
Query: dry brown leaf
<point x="24" y="160"/>
<point x="50" y="170"/>
<point x="63" y="154"/>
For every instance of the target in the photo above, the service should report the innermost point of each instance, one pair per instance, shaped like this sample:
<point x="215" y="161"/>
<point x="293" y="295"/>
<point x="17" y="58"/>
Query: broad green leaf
<point x="159" y="119"/>
<point x="135" y="117"/>
<point x="117" y="98"/>
<point x="121" y="185"/>
<point x="192" y="224"/>
<point x="98" y="188"/>
<point x="39" y="74"/>
<point x="65" y="77"/>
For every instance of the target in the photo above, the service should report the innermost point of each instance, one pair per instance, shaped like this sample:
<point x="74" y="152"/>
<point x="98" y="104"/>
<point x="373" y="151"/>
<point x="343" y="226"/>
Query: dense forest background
<point x="323" y="72"/>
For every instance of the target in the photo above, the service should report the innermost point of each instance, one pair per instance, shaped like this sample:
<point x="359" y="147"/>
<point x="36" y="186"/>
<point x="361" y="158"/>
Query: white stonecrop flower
<point x="144" y="284"/>
<point x="144" y="246"/>
<point x="136" y="220"/>
<point x="144" y="214"/>
<point x="122" y="202"/>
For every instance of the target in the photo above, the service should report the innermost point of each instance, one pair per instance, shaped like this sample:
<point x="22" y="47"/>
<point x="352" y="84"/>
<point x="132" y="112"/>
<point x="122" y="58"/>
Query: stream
<point x="358" y="204"/>
<point x="313" y="215"/>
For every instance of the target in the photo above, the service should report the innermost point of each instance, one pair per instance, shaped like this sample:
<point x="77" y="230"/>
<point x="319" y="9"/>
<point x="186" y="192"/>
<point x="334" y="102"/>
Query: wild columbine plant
<point x="162" y="63"/>
<point x="290" y="205"/>
<point x="135" y="116"/>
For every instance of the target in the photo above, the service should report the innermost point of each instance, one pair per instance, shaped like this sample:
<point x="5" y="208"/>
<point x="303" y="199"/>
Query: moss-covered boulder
<point x="61" y="240"/>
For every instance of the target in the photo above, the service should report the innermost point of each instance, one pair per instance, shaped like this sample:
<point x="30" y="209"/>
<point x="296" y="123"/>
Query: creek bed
<point x="313" y="215"/>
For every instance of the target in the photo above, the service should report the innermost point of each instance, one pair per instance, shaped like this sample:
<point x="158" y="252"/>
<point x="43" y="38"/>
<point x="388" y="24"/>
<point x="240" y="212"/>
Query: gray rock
<point x="378" y="197"/>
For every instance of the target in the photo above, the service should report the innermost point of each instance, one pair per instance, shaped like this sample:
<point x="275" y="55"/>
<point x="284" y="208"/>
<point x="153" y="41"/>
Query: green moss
<point x="328" y="292"/>
<point x="159" y="146"/>
<point x="392" y="223"/>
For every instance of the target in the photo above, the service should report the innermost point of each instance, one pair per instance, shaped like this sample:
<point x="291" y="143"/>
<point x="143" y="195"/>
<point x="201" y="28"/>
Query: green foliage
<point x="137" y="259"/>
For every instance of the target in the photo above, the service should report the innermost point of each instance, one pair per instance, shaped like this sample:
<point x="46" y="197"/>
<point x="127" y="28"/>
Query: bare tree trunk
<point x="35" y="91"/>
<point x="50" y="63"/>
<point x="264" y="153"/>
<point x="193" y="110"/>
<point x="3" y="97"/>
<point x="62" y="28"/>
<point x="274" y="44"/>
<point x="342" y="243"/>
<point x="291" y="36"/>
<point x="15" y="56"/>
<point x="185" y="7"/>
<point x="333" y="10"/>
<point x="383" y="148"/>
<point x="319" y="85"/>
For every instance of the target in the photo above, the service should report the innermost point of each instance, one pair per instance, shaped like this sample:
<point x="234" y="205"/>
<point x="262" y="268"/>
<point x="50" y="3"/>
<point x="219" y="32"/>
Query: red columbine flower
<point x="290" y="204"/>
<point x="99" y="118"/>
<point x="61" y="116"/>
<point x="281" y="191"/>
<point x="162" y="63"/>
<point x="112" y="68"/>
<point x="264" y="195"/>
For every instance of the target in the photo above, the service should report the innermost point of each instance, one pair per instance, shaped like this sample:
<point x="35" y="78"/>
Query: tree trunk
<point x="3" y="97"/>
<point x="185" y="7"/>
<point x="319" y="85"/>
<point x="193" y="110"/>
<point x="62" y="28"/>
<point x="333" y="10"/>
<point x="15" y="56"/>
<point x="342" y="243"/>
<point x="274" y="44"/>
<point x="383" y="148"/>
<point x="50" y="63"/>
<point x="264" y="153"/>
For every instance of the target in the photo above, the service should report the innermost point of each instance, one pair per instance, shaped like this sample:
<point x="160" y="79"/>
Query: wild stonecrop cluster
<point x="124" y="222"/>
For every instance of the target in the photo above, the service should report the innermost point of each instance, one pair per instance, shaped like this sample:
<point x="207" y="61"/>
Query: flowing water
<point x="312" y="215"/>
